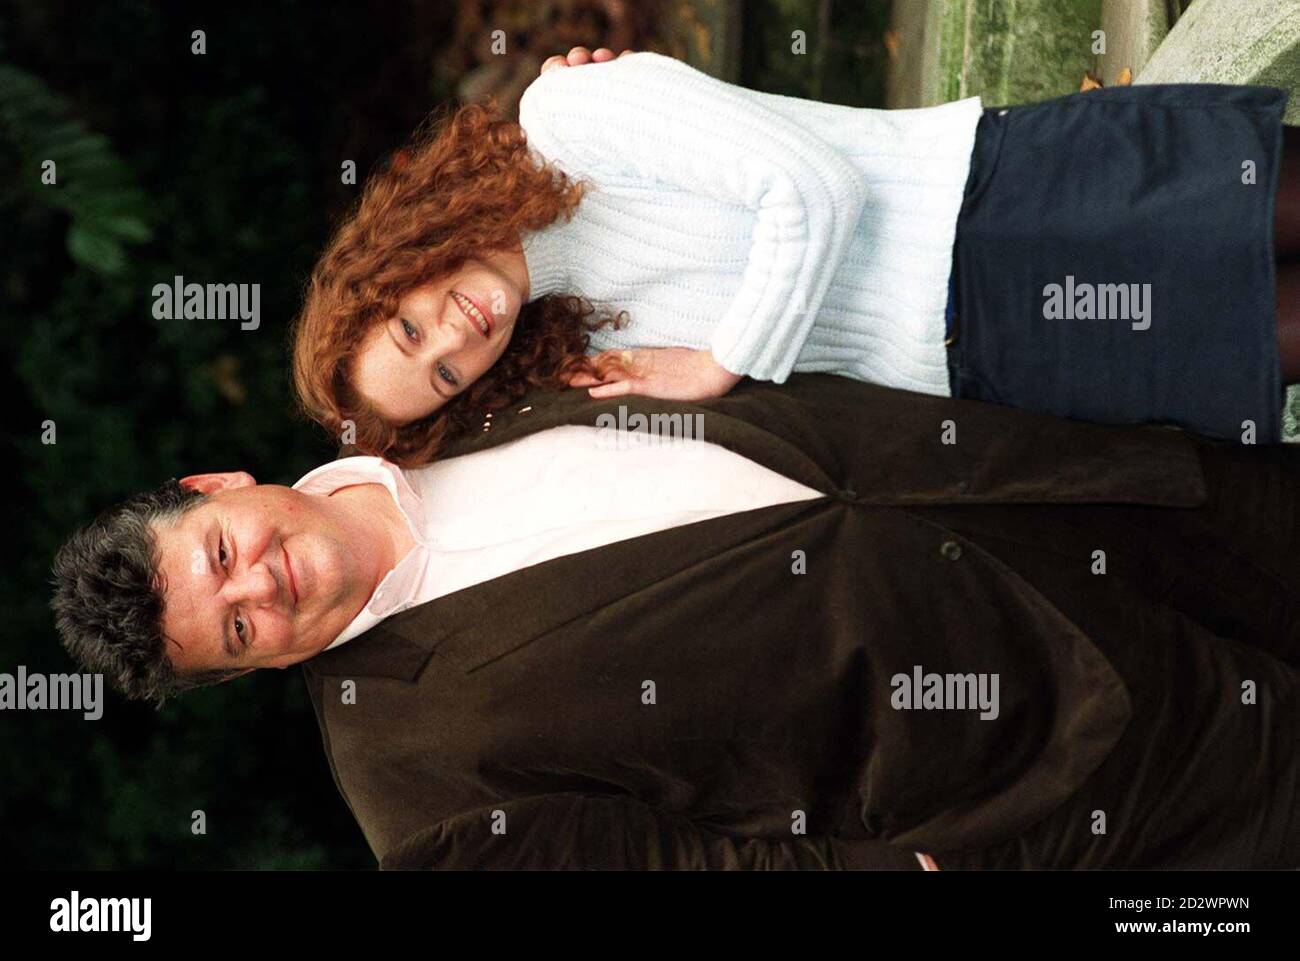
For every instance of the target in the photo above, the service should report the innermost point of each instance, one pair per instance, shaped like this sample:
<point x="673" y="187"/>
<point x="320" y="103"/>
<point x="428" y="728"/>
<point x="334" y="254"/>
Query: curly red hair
<point x="464" y="187"/>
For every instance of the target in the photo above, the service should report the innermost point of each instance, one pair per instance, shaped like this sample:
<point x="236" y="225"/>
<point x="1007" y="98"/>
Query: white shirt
<point x="555" y="492"/>
<point x="783" y="234"/>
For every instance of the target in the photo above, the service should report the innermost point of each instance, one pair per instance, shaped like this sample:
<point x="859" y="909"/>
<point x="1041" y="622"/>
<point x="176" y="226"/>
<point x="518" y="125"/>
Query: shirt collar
<point x="346" y="471"/>
<point x="397" y="590"/>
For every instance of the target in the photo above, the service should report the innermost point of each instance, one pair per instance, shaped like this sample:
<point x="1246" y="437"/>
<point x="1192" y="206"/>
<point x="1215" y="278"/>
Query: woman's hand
<point x="578" y="56"/>
<point x="668" y="373"/>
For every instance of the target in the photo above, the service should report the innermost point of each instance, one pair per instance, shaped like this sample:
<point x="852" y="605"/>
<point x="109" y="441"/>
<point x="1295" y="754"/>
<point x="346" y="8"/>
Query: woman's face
<point x="444" y="336"/>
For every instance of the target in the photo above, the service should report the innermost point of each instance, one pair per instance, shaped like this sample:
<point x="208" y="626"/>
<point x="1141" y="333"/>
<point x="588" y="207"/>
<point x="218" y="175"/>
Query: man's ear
<point x="211" y="483"/>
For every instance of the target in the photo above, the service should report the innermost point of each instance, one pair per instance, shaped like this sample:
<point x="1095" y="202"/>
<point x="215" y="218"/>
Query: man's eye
<point x="239" y="627"/>
<point x="409" y="330"/>
<point x="447" y="375"/>
<point x="221" y="553"/>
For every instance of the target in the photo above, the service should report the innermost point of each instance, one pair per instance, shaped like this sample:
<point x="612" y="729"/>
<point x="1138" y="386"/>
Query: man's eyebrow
<point x="226" y="643"/>
<point x="210" y="544"/>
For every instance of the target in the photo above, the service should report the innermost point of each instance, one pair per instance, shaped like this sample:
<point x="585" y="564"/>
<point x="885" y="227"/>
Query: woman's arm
<point x="651" y="116"/>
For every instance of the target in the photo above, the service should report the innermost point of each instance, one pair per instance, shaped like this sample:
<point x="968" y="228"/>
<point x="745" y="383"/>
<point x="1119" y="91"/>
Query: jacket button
<point x="950" y="550"/>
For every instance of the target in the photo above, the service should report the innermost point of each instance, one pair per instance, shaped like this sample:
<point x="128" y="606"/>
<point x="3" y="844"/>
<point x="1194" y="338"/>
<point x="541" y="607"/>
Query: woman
<point x="1107" y="256"/>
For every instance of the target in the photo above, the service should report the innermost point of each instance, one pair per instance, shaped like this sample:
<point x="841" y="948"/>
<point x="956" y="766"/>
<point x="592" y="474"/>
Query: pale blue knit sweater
<point x="784" y="234"/>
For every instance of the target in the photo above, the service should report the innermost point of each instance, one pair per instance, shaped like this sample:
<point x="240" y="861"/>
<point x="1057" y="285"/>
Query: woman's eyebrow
<point x="433" y="376"/>
<point x="433" y="382"/>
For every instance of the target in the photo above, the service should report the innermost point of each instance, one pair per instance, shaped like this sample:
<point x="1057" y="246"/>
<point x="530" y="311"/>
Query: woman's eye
<point x="447" y="375"/>
<point x="409" y="330"/>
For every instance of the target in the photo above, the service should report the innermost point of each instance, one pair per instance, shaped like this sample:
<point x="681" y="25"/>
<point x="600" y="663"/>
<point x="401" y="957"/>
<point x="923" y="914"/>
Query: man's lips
<point x="288" y="570"/>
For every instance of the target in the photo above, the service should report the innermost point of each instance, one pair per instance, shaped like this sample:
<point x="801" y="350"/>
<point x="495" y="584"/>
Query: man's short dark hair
<point x="108" y="603"/>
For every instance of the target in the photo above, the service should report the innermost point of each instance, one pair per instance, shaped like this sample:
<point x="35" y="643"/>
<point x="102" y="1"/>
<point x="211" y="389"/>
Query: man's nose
<point x="256" y="585"/>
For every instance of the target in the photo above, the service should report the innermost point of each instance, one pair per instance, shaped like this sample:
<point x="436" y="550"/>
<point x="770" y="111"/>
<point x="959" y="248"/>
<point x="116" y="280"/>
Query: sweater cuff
<point x="769" y="360"/>
<point x="548" y="267"/>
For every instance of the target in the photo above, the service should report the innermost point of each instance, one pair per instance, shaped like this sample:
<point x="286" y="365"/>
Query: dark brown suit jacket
<point x="510" y="724"/>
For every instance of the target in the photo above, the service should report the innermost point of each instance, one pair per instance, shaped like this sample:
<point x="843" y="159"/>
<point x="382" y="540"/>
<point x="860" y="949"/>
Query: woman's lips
<point x="487" y="318"/>
<point x="288" y="570"/>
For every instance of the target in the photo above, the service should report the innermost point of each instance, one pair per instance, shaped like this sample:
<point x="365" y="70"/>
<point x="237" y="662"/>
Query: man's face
<point x="255" y="576"/>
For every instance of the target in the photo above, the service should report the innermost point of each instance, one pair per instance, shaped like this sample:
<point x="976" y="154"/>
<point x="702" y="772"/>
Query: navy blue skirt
<point x="1114" y="259"/>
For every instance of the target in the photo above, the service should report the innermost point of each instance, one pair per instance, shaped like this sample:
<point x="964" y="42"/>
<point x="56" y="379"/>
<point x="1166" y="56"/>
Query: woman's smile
<point x="422" y="356"/>
<point x="477" y="315"/>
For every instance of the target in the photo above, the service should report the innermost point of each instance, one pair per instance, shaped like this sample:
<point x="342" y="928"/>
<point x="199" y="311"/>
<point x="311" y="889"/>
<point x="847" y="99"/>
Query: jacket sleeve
<point x="579" y="831"/>
<point x="655" y="118"/>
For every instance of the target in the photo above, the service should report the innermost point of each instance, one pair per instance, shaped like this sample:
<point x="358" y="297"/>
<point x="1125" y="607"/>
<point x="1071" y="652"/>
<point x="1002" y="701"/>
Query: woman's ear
<point x="211" y="483"/>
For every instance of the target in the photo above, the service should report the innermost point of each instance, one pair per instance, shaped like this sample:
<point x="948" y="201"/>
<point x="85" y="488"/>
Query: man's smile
<point x="288" y="570"/>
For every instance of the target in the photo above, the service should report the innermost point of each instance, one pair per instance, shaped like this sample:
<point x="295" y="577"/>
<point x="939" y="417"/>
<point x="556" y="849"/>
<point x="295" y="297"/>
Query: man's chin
<point x="305" y="650"/>
<point x="290" y="658"/>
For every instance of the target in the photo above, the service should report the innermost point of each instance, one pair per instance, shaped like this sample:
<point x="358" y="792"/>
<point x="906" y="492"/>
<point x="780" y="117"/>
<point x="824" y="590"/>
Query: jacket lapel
<point x="471" y="627"/>
<point x="897" y="448"/>
<point x="379" y="652"/>
<point x="475" y="626"/>
<point x="731" y="421"/>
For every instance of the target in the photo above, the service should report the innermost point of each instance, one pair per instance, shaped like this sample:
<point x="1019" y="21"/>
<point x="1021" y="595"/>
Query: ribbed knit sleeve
<point x="653" y="117"/>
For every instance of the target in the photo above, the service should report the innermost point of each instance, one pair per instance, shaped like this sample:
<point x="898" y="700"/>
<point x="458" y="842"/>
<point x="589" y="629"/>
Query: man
<point x="522" y="667"/>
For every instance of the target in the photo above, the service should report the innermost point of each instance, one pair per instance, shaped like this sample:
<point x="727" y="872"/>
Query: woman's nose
<point x="453" y="332"/>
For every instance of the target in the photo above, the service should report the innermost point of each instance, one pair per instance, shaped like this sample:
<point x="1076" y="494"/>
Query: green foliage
<point x="225" y="170"/>
<point x="107" y="206"/>
<point x="845" y="60"/>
